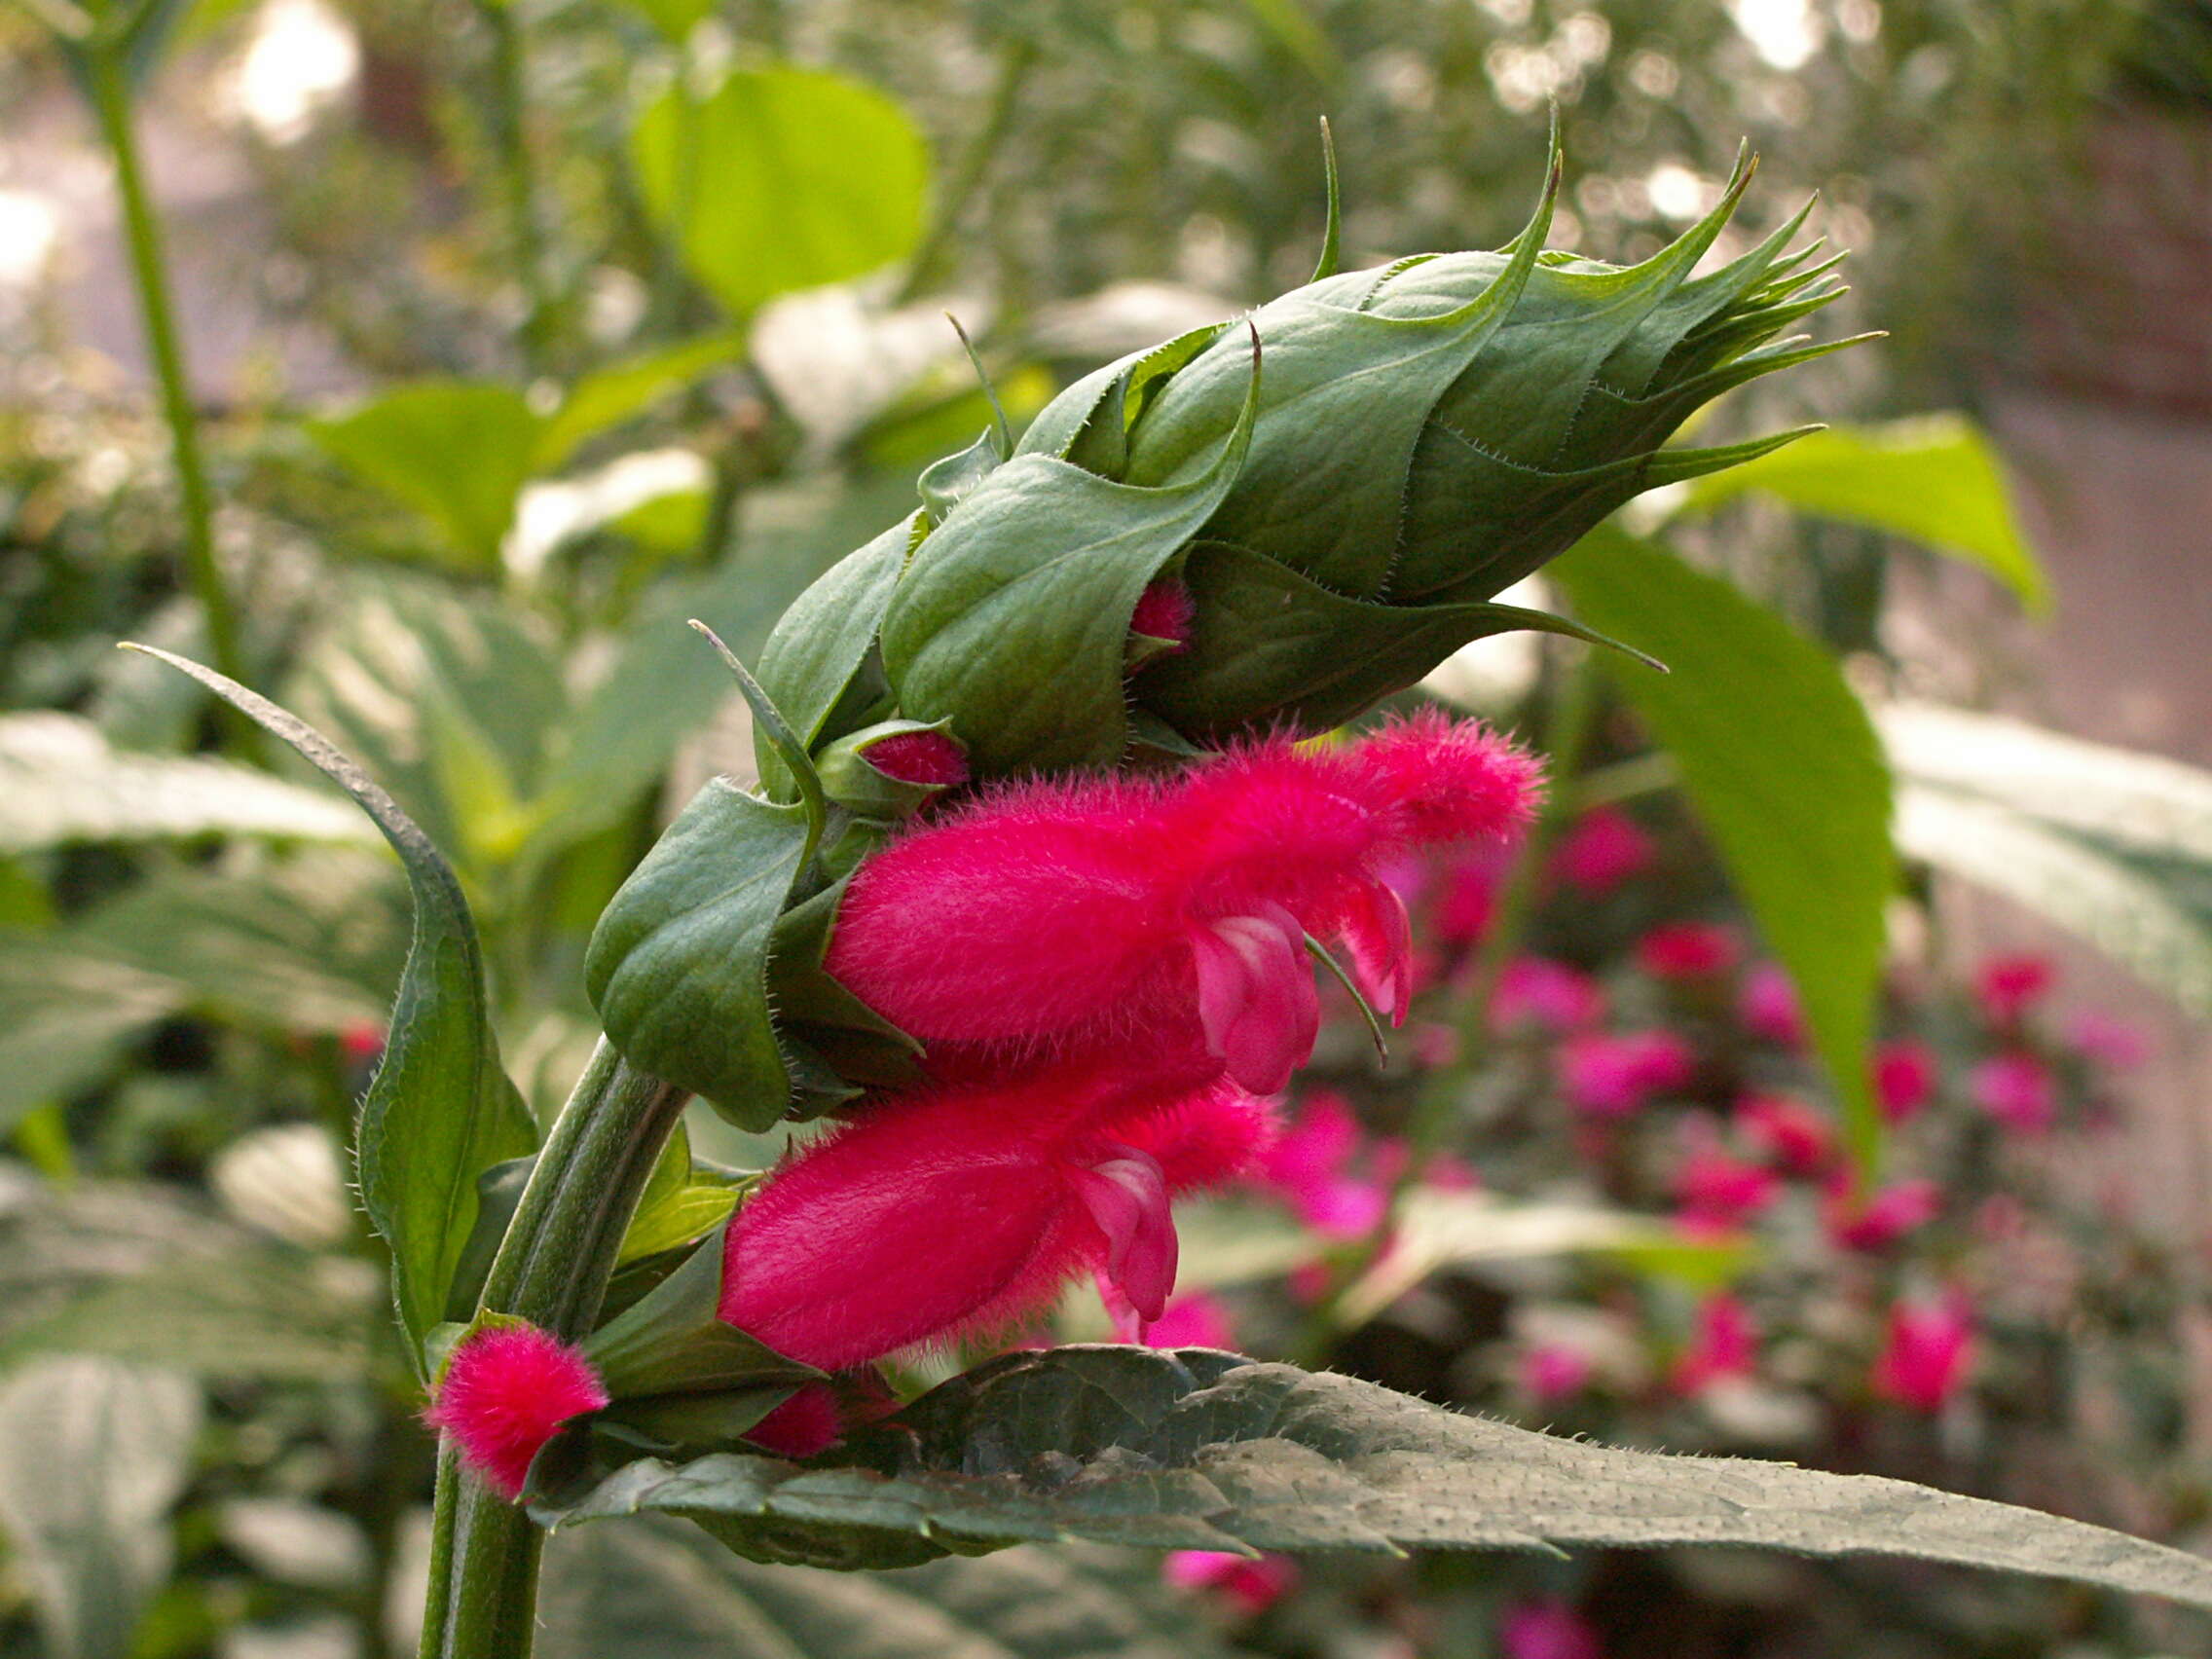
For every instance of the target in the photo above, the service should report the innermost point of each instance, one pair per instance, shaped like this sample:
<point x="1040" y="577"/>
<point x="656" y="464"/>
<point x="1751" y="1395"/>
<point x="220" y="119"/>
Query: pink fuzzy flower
<point x="2118" y="1043"/>
<point x="504" y="1392"/>
<point x="1927" y="1353"/>
<point x="2017" y="1091"/>
<point x="1885" y="1216"/>
<point x="1904" y="1078"/>
<point x="1769" y="1008"/>
<point x="1547" y="1630"/>
<point x="1609" y="1076"/>
<point x="1199" y="1319"/>
<point x="1717" y="1193"/>
<point x="1552" y="1372"/>
<point x="1532" y="990"/>
<point x="1252" y="1585"/>
<point x="967" y="1206"/>
<point x="1605" y="848"/>
<point x="1686" y="951"/>
<point x="1725" y="1345"/>
<point x="2008" y="987"/>
<point x="1169" y="915"/>
<point x="1796" y="1138"/>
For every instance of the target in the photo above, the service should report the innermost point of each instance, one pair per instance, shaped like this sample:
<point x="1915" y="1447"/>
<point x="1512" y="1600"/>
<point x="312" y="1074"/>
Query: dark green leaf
<point x="440" y="1110"/>
<point x="1194" y="1448"/>
<point x="678" y="965"/>
<point x="782" y="178"/>
<point x="458" y="452"/>
<point x="1782" y="764"/>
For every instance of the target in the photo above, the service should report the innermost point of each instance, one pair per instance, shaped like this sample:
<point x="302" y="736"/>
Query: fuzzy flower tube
<point x="506" y="1389"/>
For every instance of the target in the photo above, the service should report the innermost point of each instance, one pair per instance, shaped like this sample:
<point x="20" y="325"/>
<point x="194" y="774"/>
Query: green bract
<point x="1343" y="482"/>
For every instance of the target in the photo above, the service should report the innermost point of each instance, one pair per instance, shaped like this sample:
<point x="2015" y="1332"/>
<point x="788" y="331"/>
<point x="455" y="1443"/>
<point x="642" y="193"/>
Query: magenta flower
<point x="1313" y="1165"/>
<point x="1552" y="1372"/>
<point x="1769" y="1008"/>
<point x="1199" y="1319"/>
<point x="1716" y="1192"/>
<point x="2016" y="1090"/>
<point x="1927" y="1353"/>
<point x="1611" y="1076"/>
<point x="1605" y="848"/>
<point x="965" y="1207"/>
<point x="1686" y="951"/>
<point x="1904" y="1078"/>
<point x="1547" y="1630"/>
<point x="2008" y="987"/>
<point x="1252" y="1585"/>
<point x="919" y="758"/>
<point x="1883" y="1217"/>
<point x="1796" y="1138"/>
<point x="1072" y="912"/>
<point x="1534" y="990"/>
<point x="1725" y="1345"/>
<point x="504" y="1392"/>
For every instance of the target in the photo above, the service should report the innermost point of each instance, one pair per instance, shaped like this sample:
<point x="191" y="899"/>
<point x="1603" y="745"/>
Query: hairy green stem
<point x="105" y="77"/>
<point x="552" y="1270"/>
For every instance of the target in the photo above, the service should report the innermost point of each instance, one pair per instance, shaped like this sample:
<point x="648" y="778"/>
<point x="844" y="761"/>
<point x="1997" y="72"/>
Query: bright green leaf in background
<point x="1191" y="1449"/>
<point x="455" y="451"/>
<point x="783" y="178"/>
<point x="1783" y="767"/>
<point x="608" y="396"/>
<point x="440" y="1110"/>
<point x="1933" y="478"/>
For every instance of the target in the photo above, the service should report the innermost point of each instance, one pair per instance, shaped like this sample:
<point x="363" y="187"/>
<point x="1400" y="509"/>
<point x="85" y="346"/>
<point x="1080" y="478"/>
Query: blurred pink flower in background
<point x="1547" y="1630"/>
<point x="1927" y="1353"/>
<point x="1725" y="1344"/>
<point x="2108" y="1041"/>
<point x="1768" y="1007"/>
<point x="1604" y="849"/>
<point x="1467" y="895"/>
<point x="361" y="1040"/>
<point x="1313" y="1164"/>
<point x="1552" y="1372"/>
<point x="1884" y="1216"/>
<point x="1253" y="1585"/>
<point x="1199" y="1319"/>
<point x="1611" y="1075"/>
<point x="1716" y="1192"/>
<point x="1796" y="1137"/>
<point x="1905" y="1078"/>
<point x="1535" y="990"/>
<point x="2008" y="987"/>
<point x="1686" y="951"/>
<point x="2016" y="1090"/>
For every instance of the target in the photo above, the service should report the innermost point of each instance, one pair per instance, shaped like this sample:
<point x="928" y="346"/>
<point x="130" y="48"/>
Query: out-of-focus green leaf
<point x="2112" y="845"/>
<point x="608" y="396"/>
<point x="1293" y="28"/>
<point x="60" y="783"/>
<point x="66" y="1017"/>
<point x="674" y="19"/>
<point x="1933" y="478"/>
<point x="1191" y="1449"/>
<point x="1782" y="765"/>
<point x="782" y="178"/>
<point x="92" y="1453"/>
<point x="658" y="1588"/>
<point x="440" y="1110"/>
<point x="458" y="452"/>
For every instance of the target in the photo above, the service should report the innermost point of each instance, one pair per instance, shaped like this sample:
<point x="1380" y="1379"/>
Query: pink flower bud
<point x="2017" y="1091"/>
<point x="1165" y="612"/>
<point x="1904" y="1078"/>
<point x="965" y="1206"/>
<point x="504" y="1391"/>
<point x="928" y="758"/>
<point x="1927" y="1353"/>
<point x="1605" y="848"/>
<point x="1686" y="951"/>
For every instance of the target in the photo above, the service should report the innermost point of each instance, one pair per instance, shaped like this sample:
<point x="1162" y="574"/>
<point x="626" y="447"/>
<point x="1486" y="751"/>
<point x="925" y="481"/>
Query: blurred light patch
<point x="1784" y="32"/>
<point x="1677" y="193"/>
<point x="301" y="56"/>
<point x="29" y="228"/>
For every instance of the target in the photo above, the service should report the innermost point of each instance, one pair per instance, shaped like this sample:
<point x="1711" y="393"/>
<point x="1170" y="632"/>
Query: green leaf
<point x="1194" y="1448"/>
<point x="608" y="396"/>
<point x="674" y="19"/>
<point x="60" y="784"/>
<point x="458" y="452"/>
<point x="66" y="1016"/>
<point x="440" y="1110"/>
<point x="1931" y="478"/>
<point x="674" y="1341"/>
<point x="782" y="178"/>
<point x="678" y="965"/>
<point x="674" y="1209"/>
<point x="2112" y="845"/>
<point x="93" y="1454"/>
<point x="667" y="1590"/>
<point x="1782" y="765"/>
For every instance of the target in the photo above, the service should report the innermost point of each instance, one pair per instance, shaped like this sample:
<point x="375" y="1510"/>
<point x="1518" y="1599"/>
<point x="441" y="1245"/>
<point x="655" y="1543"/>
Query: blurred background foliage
<point x="513" y="332"/>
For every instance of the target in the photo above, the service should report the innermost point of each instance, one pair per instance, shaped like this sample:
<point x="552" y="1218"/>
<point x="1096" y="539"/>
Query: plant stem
<point x="1015" y="57"/>
<point x="104" y="76"/>
<point x="510" y="135"/>
<point x="552" y="1270"/>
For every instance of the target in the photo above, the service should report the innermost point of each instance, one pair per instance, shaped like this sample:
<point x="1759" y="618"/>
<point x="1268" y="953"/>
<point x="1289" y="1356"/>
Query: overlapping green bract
<point x="1343" y="482"/>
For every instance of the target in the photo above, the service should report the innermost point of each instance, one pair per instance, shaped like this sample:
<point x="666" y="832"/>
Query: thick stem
<point x="552" y="1270"/>
<point x="111" y="100"/>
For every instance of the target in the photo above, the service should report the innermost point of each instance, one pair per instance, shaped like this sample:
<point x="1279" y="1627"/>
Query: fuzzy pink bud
<point x="1165" y="612"/>
<point x="506" y="1390"/>
<point x="928" y="758"/>
<point x="1447" y="780"/>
